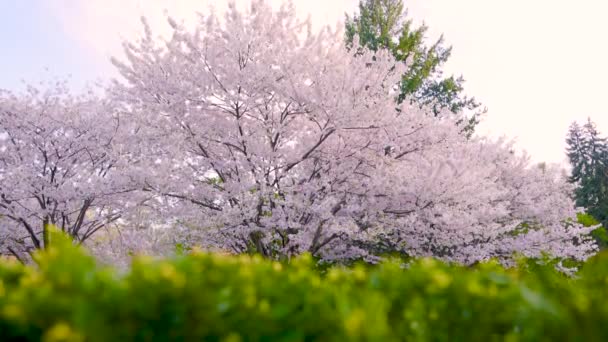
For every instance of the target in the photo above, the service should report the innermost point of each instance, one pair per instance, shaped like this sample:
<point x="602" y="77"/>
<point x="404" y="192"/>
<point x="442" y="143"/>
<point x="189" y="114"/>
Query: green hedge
<point x="66" y="297"/>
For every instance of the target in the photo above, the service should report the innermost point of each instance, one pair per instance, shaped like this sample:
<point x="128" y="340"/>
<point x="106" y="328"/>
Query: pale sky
<point x="536" y="64"/>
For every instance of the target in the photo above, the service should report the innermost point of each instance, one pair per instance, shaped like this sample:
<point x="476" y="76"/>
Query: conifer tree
<point x="588" y="155"/>
<point x="576" y="152"/>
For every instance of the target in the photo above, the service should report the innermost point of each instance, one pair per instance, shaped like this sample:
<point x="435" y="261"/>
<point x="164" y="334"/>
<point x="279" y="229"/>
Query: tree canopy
<point x="277" y="139"/>
<point x="258" y="134"/>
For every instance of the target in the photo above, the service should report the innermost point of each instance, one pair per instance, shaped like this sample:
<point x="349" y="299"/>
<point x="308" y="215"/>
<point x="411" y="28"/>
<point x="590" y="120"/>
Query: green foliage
<point x="383" y="24"/>
<point x="586" y="220"/>
<point x="181" y="249"/>
<point x="599" y="234"/>
<point x="587" y="152"/>
<point x="66" y="297"/>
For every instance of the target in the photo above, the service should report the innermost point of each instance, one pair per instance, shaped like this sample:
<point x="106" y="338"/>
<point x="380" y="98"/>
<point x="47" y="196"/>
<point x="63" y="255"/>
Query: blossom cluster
<point x="256" y="133"/>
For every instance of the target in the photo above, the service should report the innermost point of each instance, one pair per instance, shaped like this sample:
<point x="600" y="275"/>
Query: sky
<point x="537" y="65"/>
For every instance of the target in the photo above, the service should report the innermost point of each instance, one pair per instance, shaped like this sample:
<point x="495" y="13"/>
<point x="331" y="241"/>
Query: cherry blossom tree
<point x="58" y="167"/>
<point x="272" y="138"/>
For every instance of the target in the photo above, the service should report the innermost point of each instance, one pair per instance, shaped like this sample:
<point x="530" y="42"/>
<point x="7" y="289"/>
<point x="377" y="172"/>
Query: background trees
<point x="587" y="152"/>
<point x="383" y="24"/>
<point x="257" y="134"/>
<point x="278" y="140"/>
<point x="58" y="166"/>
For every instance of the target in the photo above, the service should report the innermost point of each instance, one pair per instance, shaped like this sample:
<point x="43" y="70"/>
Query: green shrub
<point x="66" y="297"/>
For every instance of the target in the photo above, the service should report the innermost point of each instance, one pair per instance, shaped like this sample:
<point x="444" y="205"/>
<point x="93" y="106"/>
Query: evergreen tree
<point x="576" y="152"/>
<point x="588" y="155"/>
<point x="383" y="24"/>
<point x="596" y="145"/>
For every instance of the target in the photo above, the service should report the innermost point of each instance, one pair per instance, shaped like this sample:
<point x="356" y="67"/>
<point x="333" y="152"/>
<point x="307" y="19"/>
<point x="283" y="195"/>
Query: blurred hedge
<point x="66" y="297"/>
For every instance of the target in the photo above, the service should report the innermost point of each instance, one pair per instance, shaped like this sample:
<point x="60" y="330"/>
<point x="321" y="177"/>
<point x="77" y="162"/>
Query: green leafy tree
<point x="587" y="152"/>
<point x="383" y="24"/>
